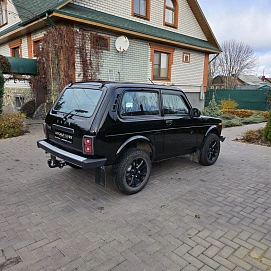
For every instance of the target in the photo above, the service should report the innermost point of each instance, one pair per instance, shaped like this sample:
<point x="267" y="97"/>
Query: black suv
<point x="95" y="124"/>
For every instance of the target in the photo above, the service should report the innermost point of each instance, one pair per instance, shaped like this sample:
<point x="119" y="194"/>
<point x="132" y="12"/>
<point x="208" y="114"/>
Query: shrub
<point x="12" y="124"/>
<point x="241" y="113"/>
<point x="228" y="104"/>
<point x="28" y="108"/>
<point x="255" y="118"/>
<point x="2" y="81"/>
<point x="267" y="128"/>
<point x="244" y="113"/>
<point x="253" y="136"/>
<point x="231" y="121"/>
<point x="212" y="109"/>
<point x="265" y="114"/>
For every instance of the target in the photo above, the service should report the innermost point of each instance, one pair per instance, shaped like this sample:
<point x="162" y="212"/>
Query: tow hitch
<point x="53" y="162"/>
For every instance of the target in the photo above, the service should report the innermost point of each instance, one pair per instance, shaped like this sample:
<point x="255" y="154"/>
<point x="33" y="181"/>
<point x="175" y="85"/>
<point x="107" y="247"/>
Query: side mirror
<point x="194" y="113"/>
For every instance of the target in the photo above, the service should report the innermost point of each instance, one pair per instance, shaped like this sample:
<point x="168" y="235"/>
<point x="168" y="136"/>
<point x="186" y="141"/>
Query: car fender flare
<point x="135" y="138"/>
<point x="212" y="128"/>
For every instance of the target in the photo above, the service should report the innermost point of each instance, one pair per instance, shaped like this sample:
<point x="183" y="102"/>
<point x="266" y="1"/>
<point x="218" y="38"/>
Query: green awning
<point x="23" y="65"/>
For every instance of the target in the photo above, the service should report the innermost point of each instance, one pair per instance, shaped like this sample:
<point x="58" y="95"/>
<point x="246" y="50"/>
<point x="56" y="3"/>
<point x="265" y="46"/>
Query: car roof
<point x="113" y="84"/>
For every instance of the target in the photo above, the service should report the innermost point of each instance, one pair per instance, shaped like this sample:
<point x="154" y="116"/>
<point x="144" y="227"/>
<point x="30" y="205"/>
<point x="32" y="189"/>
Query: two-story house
<point x="159" y="41"/>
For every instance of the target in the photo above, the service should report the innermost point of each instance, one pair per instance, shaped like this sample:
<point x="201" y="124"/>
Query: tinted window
<point x="174" y="105"/>
<point x="139" y="103"/>
<point x="79" y="101"/>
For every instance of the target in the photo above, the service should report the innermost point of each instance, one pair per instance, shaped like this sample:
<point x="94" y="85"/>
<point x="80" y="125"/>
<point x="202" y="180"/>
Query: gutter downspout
<point x="49" y="20"/>
<point x="214" y="58"/>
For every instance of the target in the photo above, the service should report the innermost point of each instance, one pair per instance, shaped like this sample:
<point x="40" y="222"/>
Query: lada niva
<point x="128" y="126"/>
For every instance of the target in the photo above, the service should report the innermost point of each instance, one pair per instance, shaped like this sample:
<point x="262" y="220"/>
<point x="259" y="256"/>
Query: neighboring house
<point x="220" y="82"/>
<point x="242" y="82"/>
<point x="250" y="82"/>
<point x="169" y="40"/>
<point x="265" y="79"/>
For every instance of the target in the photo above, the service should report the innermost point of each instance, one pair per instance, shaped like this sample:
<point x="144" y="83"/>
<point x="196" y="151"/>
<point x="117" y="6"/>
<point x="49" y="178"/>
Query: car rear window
<point x="78" y="101"/>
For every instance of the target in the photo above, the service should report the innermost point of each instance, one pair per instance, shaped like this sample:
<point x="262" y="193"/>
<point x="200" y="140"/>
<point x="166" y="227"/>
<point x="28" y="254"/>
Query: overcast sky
<point x="248" y="21"/>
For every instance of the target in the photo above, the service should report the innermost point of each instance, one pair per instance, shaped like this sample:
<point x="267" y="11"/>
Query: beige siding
<point x="4" y="50"/>
<point x="134" y="65"/>
<point x="131" y="65"/>
<point x="187" y="76"/>
<point x="24" y="48"/>
<point x="188" y="25"/>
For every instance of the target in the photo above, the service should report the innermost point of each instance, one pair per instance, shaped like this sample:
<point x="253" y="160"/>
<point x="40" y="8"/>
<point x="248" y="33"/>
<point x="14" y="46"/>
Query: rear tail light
<point x="88" y="144"/>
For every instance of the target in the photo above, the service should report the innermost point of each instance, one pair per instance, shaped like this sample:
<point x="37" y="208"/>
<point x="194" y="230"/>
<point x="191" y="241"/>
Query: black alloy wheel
<point x="210" y="150"/>
<point x="132" y="171"/>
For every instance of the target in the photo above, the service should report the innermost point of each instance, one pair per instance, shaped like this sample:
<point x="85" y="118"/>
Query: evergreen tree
<point x="267" y="128"/>
<point x="212" y="109"/>
<point x="2" y="81"/>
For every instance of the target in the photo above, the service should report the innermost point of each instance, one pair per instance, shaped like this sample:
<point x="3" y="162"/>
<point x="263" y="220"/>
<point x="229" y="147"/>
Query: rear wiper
<point x="74" y="110"/>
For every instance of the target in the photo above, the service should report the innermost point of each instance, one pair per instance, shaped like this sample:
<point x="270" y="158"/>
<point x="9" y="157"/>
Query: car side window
<point x="174" y="105"/>
<point x="138" y="103"/>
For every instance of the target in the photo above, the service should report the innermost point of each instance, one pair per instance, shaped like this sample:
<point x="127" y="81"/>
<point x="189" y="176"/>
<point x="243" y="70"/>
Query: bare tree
<point x="236" y="58"/>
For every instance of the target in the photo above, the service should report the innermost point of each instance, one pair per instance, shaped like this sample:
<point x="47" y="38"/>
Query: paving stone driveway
<point x="188" y="217"/>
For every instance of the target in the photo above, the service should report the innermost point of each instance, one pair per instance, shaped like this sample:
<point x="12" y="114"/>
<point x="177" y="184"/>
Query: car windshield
<point x="78" y="101"/>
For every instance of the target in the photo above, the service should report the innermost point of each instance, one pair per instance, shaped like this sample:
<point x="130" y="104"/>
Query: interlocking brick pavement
<point x="188" y="217"/>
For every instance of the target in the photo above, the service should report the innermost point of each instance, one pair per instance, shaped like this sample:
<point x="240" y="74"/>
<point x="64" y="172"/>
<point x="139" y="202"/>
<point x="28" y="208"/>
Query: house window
<point x="141" y="8"/>
<point x="3" y="12"/>
<point x="171" y="13"/>
<point x="36" y="43"/>
<point x="16" y="48"/>
<point x="186" y="57"/>
<point x="160" y="65"/>
<point x="162" y="59"/>
<point x="100" y="42"/>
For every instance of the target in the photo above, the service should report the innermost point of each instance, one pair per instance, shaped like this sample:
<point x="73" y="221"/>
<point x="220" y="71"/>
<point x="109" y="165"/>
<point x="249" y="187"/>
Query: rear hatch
<point x="70" y="118"/>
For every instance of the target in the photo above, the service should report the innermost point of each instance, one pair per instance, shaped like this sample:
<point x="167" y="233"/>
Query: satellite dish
<point x="122" y="44"/>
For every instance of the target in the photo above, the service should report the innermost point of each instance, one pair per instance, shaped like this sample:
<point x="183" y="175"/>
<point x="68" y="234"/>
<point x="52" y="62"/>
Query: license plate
<point x="64" y="136"/>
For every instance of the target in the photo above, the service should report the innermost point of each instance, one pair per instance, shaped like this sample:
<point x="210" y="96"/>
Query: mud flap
<point x="100" y="176"/>
<point x="194" y="157"/>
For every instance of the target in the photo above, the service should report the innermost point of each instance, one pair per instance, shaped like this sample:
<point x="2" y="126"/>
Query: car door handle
<point x="169" y="122"/>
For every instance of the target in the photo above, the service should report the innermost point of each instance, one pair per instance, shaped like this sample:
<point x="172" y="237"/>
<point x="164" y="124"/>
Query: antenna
<point x="151" y="80"/>
<point x="122" y="44"/>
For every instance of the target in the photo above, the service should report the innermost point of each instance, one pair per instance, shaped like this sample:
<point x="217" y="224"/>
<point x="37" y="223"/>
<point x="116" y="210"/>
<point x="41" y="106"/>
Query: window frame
<point x="103" y="37"/>
<point x="186" y="54"/>
<point x="166" y="50"/>
<point x="175" y="12"/>
<point x="147" y="16"/>
<point x="34" y="42"/>
<point x="13" y="45"/>
<point x="3" y="11"/>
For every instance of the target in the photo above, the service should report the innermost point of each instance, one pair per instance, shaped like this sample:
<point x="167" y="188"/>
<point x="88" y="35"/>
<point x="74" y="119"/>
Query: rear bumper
<point x="77" y="160"/>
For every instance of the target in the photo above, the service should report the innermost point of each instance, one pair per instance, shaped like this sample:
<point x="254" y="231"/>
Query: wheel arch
<point x="212" y="130"/>
<point x="139" y="142"/>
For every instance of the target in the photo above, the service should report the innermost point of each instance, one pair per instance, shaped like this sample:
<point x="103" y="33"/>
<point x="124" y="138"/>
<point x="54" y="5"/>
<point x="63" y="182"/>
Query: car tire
<point x="132" y="171"/>
<point x="210" y="150"/>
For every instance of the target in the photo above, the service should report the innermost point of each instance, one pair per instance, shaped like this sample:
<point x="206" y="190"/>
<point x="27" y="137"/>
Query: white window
<point x="3" y="12"/>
